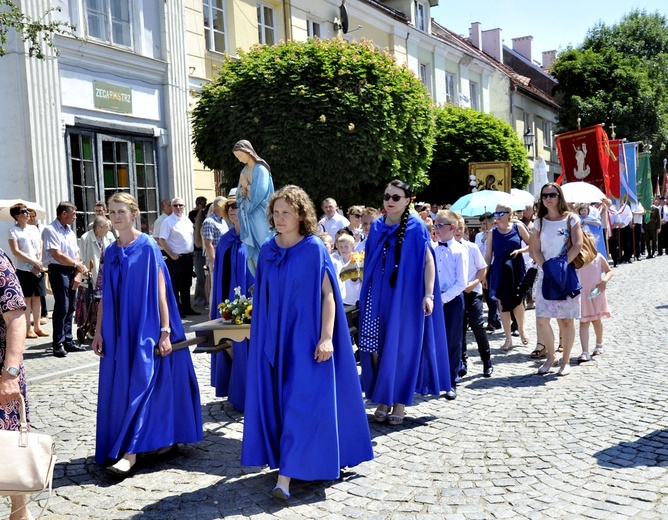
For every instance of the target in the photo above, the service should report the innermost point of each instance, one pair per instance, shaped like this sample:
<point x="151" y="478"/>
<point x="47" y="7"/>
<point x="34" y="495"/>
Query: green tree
<point x="36" y="32"/>
<point x="339" y="119"/>
<point x="463" y="136"/>
<point x="619" y="76"/>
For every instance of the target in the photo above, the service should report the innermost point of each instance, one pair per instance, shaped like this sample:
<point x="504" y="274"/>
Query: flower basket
<point x="237" y="311"/>
<point x="354" y="269"/>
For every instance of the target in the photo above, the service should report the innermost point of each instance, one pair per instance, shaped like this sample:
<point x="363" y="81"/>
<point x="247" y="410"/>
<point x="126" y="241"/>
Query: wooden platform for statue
<point x="216" y="335"/>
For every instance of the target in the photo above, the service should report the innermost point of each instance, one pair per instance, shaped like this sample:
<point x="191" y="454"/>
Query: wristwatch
<point x="12" y="371"/>
<point x="168" y="330"/>
<point x="430" y="296"/>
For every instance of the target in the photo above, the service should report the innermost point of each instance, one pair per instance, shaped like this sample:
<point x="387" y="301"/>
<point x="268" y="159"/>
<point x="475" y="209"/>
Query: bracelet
<point x="430" y="296"/>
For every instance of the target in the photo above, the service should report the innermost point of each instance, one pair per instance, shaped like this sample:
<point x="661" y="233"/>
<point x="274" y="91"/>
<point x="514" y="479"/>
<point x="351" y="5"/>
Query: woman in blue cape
<point x="304" y="409"/>
<point x="403" y="347"/>
<point x="228" y="368"/>
<point x="146" y="401"/>
<point x="255" y="188"/>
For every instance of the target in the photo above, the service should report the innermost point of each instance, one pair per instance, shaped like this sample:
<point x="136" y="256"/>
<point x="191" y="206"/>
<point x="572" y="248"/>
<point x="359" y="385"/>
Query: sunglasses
<point x="439" y="226"/>
<point x="178" y="205"/>
<point x="395" y="198"/>
<point x="232" y="205"/>
<point x="499" y="213"/>
<point x="548" y="195"/>
<point x="356" y="215"/>
<point x="23" y="212"/>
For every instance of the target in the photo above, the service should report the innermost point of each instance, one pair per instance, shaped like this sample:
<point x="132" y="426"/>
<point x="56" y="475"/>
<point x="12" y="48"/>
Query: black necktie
<point x="443" y="244"/>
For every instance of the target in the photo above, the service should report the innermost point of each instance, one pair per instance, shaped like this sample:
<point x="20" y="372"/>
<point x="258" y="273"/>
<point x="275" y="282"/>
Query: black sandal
<point x="539" y="352"/>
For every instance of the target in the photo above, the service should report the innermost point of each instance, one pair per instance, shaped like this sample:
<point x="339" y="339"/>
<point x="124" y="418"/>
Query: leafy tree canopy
<point x="463" y="136"/>
<point x="619" y="76"/>
<point x="339" y="119"/>
<point x="37" y="33"/>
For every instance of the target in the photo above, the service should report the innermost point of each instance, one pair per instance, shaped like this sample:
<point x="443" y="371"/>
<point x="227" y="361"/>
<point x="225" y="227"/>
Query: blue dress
<point x="597" y="231"/>
<point x="228" y="376"/>
<point x="304" y="417"/>
<point x="506" y="273"/>
<point x="253" y="213"/>
<point x="145" y="401"/>
<point x="412" y="348"/>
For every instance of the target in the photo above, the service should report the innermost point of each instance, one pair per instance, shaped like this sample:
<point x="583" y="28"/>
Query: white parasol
<point x="582" y="192"/>
<point x="5" y="204"/>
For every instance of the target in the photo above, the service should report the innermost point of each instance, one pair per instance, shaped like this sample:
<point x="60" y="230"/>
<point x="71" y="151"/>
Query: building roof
<point x="523" y="82"/>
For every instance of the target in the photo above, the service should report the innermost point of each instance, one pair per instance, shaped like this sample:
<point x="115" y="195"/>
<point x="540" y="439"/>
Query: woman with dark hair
<point x="402" y="342"/>
<point x="549" y="240"/>
<point x="230" y="270"/>
<point x="253" y="193"/>
<point x="304" y="410"/>
<point x="25" y="243"/>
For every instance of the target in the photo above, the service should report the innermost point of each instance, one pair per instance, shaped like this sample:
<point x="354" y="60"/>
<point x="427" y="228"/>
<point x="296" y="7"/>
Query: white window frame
<point x="262" y="26"/>
<point x="547" y="134"/>
<point x="109" y="23"/>
<point x="474" y="92"/>
<point x="451" y="88"/>
<point x="210" y="11"/>
<point x="313" y="29"/>
<point x="424" y="73"/>
<point x="421" y="12"/>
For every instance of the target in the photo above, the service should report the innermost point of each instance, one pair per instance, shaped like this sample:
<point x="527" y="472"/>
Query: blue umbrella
<point x="480" y="202"/>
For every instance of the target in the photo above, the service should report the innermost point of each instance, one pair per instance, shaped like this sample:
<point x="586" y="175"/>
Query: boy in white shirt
<point x="452" y="268"/>
<point x="350" y="289"/>
<point x="473" y="312"/>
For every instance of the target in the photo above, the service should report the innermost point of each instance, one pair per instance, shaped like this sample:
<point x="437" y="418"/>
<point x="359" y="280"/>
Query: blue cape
<point x="304" y="417"/>
<point x="413" y="353"/>
<point x="145" y="402"/>
<point x="560" y="280"/>
<point x="230" y="270"/>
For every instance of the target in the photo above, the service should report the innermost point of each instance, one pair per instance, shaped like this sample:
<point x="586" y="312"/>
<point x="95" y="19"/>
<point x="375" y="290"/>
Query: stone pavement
<point x="590" y="445"/>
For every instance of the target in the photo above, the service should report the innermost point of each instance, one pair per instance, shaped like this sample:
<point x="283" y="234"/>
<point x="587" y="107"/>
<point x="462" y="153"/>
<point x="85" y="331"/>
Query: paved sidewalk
<point x="590" y="445"/>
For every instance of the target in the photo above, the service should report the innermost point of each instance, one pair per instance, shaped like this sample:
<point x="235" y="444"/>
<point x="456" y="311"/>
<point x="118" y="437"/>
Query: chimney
<point x="522" y="46"/>
<point x="475" y="35"/>
<point x="548" y="59"/>
<point x="492" y="44"/>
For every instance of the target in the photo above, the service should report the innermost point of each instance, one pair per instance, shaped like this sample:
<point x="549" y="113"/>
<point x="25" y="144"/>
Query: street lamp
<point x="528" y="139"/>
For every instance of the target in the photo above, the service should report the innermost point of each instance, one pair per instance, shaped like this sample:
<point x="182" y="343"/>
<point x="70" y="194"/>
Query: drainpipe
<point x="513" y="91"/>
<point x="287" y="18"/>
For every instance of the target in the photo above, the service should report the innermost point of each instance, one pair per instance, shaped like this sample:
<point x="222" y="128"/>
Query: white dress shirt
<point x="475" y="262"/>
<point x="452" y="267"/>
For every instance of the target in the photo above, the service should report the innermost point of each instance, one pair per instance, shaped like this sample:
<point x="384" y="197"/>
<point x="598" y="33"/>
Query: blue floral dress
<point x="553" y="242"/>
<point x="11" y="299"/>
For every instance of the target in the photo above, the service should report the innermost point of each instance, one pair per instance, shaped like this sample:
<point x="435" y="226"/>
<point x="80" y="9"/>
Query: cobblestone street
<point x="518" y="445"/>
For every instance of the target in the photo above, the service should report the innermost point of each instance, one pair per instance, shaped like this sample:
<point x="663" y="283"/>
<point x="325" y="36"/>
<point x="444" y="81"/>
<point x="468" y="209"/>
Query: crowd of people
<point x="416" y="278"/>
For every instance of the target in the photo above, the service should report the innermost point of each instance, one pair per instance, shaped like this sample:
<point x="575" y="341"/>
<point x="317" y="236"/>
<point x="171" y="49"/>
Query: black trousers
<point x="473" y="316"/>
<point x="181" y="273"/>
<point x="453" y="312"/>
<point x="64" y="298"/>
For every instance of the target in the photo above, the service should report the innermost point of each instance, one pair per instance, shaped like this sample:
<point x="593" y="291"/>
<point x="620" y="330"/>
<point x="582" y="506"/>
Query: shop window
<point x="101" y="165"/>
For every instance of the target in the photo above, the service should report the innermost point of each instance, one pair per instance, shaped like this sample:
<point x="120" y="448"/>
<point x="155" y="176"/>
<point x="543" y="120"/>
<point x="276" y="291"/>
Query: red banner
<point x="613" y="168"/>
<point x="584" y="156"/>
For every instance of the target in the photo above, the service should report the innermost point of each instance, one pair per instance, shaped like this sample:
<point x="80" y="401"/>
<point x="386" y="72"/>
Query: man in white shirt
<point x="166" y="207"/>
<point x="332" y="221"/>
<point x="177" y="241"/>
<point x="493" y="315"/>
<point x="61" y="255"/>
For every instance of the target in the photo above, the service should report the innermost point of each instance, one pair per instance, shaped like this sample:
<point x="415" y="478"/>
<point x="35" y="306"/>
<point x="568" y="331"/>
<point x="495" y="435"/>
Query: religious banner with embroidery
<point x="584" y="156"/>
